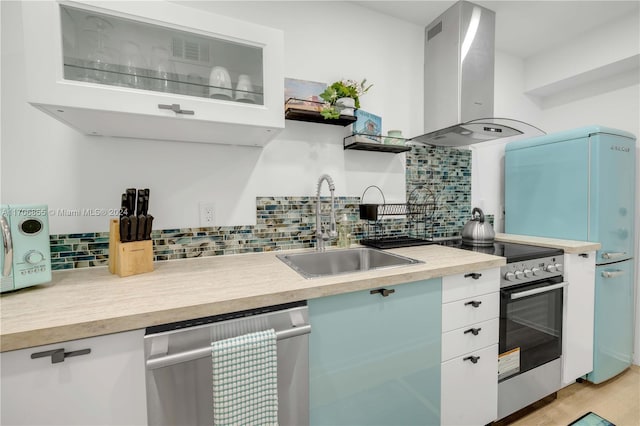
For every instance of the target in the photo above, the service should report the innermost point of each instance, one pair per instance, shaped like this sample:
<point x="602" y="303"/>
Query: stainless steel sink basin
<point x="343" y="261"/>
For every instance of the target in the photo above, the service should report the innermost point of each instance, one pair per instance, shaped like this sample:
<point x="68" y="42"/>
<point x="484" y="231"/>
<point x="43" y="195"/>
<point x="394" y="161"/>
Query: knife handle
<point x="142" y="228"/>
<point x="146" y="201"/>
<point x="125" y="228"/>
<point x="140" y="206"/>
<point x="131" y="201"/>
<point x="147" y="232"/>
<point x="124" y="207"/>
<point x="133" y="229"/>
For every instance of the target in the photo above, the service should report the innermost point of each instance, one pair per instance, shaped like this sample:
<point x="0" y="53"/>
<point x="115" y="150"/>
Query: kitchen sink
<point x="343" y="261"/>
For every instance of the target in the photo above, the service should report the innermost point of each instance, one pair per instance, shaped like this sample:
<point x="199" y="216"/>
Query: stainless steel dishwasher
<point x="179" y="365"/>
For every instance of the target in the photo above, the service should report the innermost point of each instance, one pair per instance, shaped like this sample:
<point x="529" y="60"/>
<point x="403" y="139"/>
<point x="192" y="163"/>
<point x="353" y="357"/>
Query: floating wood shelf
<point x="365" y="143"/>
<point x="309" y="111"/>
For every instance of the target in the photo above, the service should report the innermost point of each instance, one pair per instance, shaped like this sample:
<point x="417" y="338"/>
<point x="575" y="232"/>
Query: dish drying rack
<point x="417" y="226"/>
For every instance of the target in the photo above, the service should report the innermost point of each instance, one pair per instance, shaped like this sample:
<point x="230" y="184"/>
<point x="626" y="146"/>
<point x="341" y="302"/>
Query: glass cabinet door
<point x="111" y="50"/>
<point x="155" y="70"/>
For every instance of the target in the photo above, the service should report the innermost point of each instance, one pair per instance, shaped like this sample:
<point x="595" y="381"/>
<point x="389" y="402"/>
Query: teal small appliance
<point x="580" y="185"/>
<point x="25" y="255"/>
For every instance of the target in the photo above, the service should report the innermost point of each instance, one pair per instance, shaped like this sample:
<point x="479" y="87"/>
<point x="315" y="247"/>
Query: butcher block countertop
<point x="91" y="302"/>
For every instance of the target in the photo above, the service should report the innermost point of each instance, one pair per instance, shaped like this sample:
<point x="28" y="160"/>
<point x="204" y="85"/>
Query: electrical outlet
<point x="207" y="210"/>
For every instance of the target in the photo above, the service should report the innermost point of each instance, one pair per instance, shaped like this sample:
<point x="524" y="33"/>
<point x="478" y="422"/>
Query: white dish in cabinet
<point x="145" y="72"/>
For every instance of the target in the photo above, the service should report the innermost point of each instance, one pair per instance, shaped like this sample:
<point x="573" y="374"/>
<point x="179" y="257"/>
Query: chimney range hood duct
<point x="458" y="73"/>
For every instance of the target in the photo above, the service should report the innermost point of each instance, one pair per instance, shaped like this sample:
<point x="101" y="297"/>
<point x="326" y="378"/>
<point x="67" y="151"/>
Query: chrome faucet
<point x="321" y="234"/>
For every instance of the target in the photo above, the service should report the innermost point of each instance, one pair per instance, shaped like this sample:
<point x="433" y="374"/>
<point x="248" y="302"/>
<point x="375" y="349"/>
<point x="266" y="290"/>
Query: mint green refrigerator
<point x="580" y="185"/>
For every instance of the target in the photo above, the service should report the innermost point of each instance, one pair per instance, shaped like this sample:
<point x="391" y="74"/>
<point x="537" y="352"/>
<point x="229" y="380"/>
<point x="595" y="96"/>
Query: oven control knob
<point x="559" y="267"/>
<point x="528" y="273"/>
<point x="535" y="271"/>
<point x="510" y="276"/>
<point x="32" y="257"/>
<point x="519" y="275"/>
<point x="550" y="268"/>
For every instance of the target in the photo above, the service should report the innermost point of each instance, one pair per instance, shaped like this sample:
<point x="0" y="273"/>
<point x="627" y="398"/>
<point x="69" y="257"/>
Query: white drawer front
<point x="469" y="311"/>
<point x="461" y="286"/>
<point x="469" y="392"/>
<point x="463" y="340"/>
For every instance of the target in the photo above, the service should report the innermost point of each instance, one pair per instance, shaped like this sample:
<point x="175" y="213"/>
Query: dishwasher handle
<point x="180" y="357"/>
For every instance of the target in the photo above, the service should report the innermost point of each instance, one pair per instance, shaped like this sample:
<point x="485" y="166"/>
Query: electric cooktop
<point x="513" y="252"/>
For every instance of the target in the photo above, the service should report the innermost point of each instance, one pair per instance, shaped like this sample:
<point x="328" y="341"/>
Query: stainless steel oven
<point x="530" y="331"/>
<point x="530" y="326"/>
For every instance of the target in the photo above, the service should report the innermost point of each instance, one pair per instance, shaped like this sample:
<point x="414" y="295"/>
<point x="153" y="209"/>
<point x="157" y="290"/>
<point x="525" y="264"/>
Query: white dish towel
<point x="245" y="380"/>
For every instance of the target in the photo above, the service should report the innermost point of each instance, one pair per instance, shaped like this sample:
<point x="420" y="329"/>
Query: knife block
<point x="127" y="259"/>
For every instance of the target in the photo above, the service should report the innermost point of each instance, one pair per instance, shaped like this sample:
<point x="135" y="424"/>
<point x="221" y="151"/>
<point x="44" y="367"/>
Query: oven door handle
<point x="537" y="290"/>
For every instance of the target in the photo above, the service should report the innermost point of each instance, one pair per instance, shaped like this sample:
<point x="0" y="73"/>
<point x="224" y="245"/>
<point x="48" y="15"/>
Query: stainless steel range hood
<point x="459" y="74"/>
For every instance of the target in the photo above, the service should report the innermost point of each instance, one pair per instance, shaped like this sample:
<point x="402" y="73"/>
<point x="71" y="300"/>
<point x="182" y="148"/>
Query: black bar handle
<point x="474" y="331"/>
<point x="473" y="359"/>
<point x="474" y="303"/>
<point x="473" y="275"/>
<point x="58" y="355"/>
<point x="383" y="291"/>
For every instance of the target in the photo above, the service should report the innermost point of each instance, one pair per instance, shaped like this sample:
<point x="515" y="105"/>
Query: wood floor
<point x="617" y="400"/>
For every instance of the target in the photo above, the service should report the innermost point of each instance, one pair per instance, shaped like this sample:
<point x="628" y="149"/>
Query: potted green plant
<point x="342" y="97"/>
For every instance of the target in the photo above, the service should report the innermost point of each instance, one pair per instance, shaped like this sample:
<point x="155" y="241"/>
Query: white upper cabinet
<point x="154" y="70"/>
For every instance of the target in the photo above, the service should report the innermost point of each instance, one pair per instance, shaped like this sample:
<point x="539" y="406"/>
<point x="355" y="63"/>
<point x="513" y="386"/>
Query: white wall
<point x="488" y="158"/>
<point x="45" y="161"/>
<point x="587" y="57"/>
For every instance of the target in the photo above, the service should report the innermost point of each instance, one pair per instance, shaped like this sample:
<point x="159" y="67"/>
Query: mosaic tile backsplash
<point x="444" y="175"/>
<point x="434" y="174"/>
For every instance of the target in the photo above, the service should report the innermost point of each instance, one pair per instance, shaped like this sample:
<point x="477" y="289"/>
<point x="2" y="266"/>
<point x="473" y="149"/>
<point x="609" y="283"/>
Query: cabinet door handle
<point x="473" y="275"/>
<point x="58" y="355"/>
<point x="474" y="331"/>
<point x="473" y="359"/>
<point x="176" y="108"/>
<point x="474" y="303"/>
<point x="383" y="291"/>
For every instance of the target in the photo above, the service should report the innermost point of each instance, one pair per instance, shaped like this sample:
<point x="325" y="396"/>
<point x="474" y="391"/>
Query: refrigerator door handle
<point x="613" y="255"/>
<point x="612" y="274"/>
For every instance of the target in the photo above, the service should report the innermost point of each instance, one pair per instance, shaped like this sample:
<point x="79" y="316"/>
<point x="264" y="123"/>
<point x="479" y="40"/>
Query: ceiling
<point x="523" y="28"/>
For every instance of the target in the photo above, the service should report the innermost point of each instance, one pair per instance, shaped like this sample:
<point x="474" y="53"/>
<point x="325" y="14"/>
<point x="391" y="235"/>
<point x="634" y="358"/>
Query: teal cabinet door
<point x="375" y="360"/>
